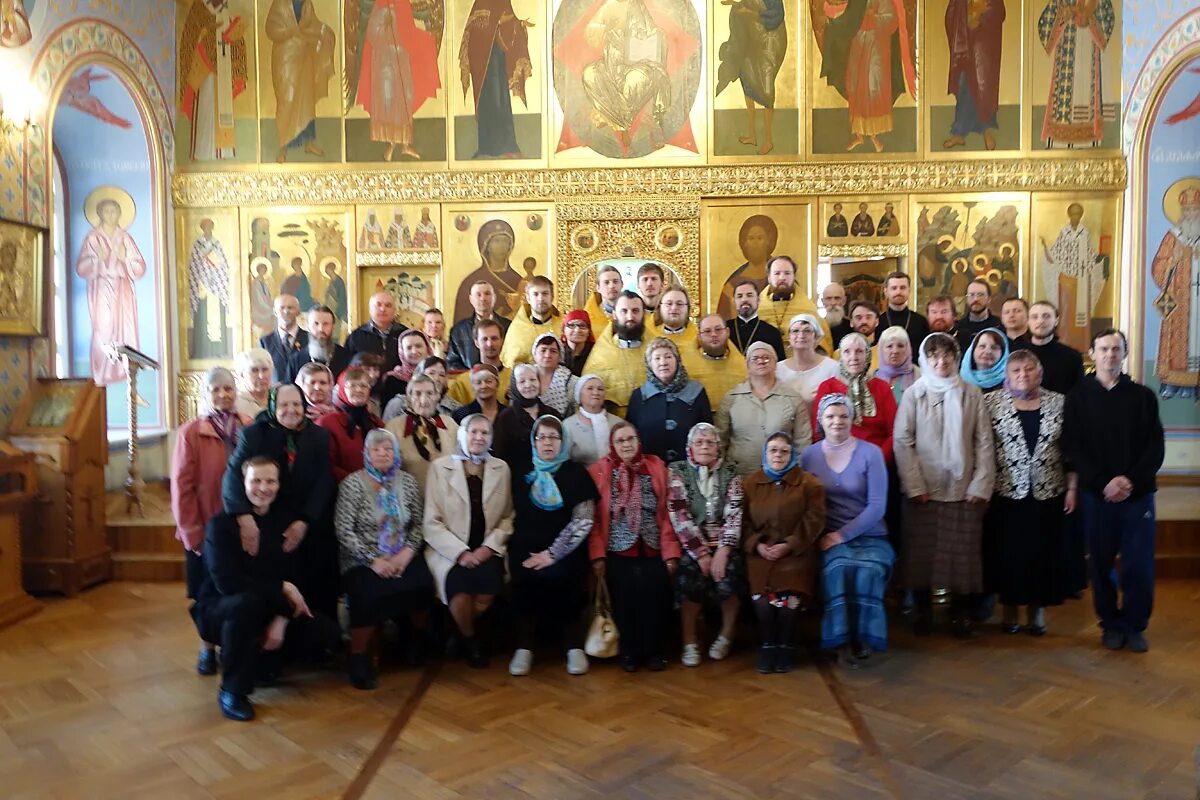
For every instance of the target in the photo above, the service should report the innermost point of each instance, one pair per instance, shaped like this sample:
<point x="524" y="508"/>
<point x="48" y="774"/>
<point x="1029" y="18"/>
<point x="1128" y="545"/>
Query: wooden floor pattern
<point x="98" y="699"/>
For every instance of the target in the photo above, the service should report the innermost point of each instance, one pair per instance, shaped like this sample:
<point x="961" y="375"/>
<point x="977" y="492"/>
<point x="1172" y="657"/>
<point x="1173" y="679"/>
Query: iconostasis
<point x="335" y="149"/>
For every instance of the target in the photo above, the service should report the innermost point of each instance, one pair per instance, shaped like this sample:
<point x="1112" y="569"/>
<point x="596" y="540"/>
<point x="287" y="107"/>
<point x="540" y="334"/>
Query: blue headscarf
<point x="393" y="524"/>
<point x="985" y="378"/>
<point x="544" y="491"/>
<point x="795" y="457"/>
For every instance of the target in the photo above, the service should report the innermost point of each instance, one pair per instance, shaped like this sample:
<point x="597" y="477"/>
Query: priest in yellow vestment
<point x="536" y="316"/>
<point x="782" y="300"/>
<point x="713" y="361"/>
<point x="672" y="318"/>
<point x="619" y="355"/>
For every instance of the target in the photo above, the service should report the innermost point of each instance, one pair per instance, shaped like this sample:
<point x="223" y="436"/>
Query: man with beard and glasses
<point x="462" y="353"/>
<point x="287" y="339"/>
<point x="536" y="316"/>
<point x="783" y="299"/>
<point x="712" y="361"/>
<point x="651" y="280"/>
<point x="979" y="315"/>
<point x="833" y="299"/>
<point x="619" y="355"/>
<point x="896" y="288"/>
<point x="747" y="328"/>
<point x="489" y="342"/>
<point x="671" y="320"/>
<point x="601" y="306"/>
<point x="321" y="348"/>
<point x="940" y="313"/>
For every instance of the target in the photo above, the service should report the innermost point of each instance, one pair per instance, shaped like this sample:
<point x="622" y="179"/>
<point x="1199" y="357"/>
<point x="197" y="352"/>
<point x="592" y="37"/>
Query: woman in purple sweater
<point x="857" y="556"/>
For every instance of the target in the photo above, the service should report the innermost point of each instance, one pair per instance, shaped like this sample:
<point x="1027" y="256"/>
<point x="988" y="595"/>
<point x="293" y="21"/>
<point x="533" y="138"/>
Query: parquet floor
<point x="98" y="699"/>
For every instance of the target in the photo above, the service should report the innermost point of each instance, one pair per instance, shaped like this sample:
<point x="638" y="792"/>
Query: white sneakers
<point x="720" y="648"/>
<point x="522" y="662"/>
<point x="691" y="655"/>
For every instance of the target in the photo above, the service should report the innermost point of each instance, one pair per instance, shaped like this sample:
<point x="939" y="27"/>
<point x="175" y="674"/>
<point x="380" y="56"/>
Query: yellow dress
<point x="518" y="342"/>
<point x="622" y="369"/>
<point x="460" y="389"/>
<point x="780" y="313"/>
<point x="716" y="375"/>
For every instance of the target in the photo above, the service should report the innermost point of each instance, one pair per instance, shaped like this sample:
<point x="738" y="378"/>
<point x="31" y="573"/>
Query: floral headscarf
<point x="543" y="490"/>
<point x="394" y="515"/>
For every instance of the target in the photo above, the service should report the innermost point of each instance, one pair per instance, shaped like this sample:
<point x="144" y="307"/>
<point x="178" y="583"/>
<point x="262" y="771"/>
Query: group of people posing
<point x="779" y="457"/>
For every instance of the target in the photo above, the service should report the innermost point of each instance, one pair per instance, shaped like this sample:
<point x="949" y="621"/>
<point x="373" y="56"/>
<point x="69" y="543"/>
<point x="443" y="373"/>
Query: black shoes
<point x="476" y="658"/>
<point x="963" y="628"/>
<point x="206" y="662"/>
<point x="629" y="663"/>
<point x="236" y="707"/>
<point x="656" y="664"/>
<point x="1136" y="642"/>
<point x="362" y="674"/>
<point x="785" y="657"/>
<point x="766" y="658"/>
<point x="1113" y="639"/>
<point x="1036" y="630"/>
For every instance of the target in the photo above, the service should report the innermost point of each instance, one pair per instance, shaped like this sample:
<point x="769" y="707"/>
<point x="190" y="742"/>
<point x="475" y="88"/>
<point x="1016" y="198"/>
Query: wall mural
<point x="216" y="100"/>
<point x="14" y="23"/>
<point x="741" y="237"/>
<point x="208" y="300"/>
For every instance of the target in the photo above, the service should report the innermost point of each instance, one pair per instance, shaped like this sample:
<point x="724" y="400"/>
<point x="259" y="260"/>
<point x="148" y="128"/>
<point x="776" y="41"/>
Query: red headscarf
<point x="404" y="370"/>
<point x="577" y="315"/>
<point x="357" y="416"/>
<point x="628" y="501"/>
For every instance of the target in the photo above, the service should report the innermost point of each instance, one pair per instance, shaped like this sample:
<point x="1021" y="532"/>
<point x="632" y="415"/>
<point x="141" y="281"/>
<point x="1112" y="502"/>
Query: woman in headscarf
<point x="634" y="546"/>
<point x="485" y="385"/>
<point x="986" y="360"/>
<point x="515" y="423"/>
<point x="871" y="399"/>
<point x="1033" y="491"/>
<point x="254" y="368"/>
<point x="669" y="404"/>
<point x="555" y="506"/>
<point x="589" y="426"/>
<point x="468" y="520"/>
<point x="896" y="361"/>
<point x="946" y="474"/>
<point x="202" y="447"/>
<point x="425" y="434"/>
<point x="805" y="368"/>
<point x="783" y="518"/>
<point x="316" y="382"/>
<point x="285" y="434"/>
<point x="379" y="519"/>
<point x="705" y="503"/>
<point x="434" y="367"/>
<point x="349" y="425"/>
<point x="858" y="559"/>
<point x="373" y="364"/>
<point x="413" y="348"/>
<point x="577" y="340"/>
<point x="556" y="381"/>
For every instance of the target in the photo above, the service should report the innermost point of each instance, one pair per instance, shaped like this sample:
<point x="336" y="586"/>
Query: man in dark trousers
<point x="288" y="337"/>
<point x="1113" y="440"/>
<point x="463" y="353"/>
<point x="380" y="334"/>
<point x="896" y="288"/>
<point x="247" y="603"/>
<point x="321" y="347"/>
<point x="747" y="328"/>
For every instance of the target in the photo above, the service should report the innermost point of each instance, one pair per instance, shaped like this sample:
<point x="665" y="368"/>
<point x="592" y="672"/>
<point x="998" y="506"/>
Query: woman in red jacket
<point x="873" y="400"/>
<point x="202" y="448"/>
<point x="349" y="425"/>
<point x="634" y="545"/>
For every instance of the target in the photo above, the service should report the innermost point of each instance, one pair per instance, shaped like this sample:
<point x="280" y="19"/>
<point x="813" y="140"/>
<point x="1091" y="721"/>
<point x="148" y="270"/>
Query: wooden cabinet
<point x="18" y="489"/>
<point x="62" y="423"/>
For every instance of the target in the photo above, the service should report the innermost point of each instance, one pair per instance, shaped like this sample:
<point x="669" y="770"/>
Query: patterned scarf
<point x="290" y="438"/>
<point x="462" y="452"/>
<point x="424" y="432"/>
<point x="680" y="379"/>
<point x="394" y="516"/>
<point x="861" y="401"/>
<point x="228" y="425"/>
<point x="404" y="370"/>
<point x="357" y="417"/>
<point x="627" y="504"/>
<point x="543" y="490"/>
<point x="710" y="481"/>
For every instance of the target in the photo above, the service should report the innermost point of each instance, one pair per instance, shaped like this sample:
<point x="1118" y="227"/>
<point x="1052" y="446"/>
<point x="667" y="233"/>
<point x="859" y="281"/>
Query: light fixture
<point x="13" y="125"/>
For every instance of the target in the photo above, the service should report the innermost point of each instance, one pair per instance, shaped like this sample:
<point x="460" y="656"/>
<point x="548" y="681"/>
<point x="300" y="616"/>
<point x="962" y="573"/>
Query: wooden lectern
<point x="18" y="489"/>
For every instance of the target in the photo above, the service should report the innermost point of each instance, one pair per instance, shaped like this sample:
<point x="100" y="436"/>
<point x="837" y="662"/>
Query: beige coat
<point x="448" y="514"/>
<point x="745" y="422"/>
<point x="917" y="442"/>
<point x="413" y="463"/>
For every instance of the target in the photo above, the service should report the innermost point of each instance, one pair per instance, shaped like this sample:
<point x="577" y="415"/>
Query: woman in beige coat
<point x="425" y="434"/>
<point x="468" y="519"/>
<point x="943" y="446"/>
<point x="760" y="406"/>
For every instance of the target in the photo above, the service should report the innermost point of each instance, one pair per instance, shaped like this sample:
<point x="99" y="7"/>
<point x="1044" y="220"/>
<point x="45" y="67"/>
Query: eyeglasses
<point x="576" y="325"/>
<point x="761" y="359"/>
<point x="547" y="437"/>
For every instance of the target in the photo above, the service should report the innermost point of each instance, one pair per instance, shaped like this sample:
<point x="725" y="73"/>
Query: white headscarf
<point x="949" y="392"/>
<point x="463" y="451"/>
<point x="599" y="420"/>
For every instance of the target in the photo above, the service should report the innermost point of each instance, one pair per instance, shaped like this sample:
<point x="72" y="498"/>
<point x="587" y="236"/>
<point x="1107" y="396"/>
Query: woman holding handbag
<point x="634" y="545"/>
<point x="555" y="505"/>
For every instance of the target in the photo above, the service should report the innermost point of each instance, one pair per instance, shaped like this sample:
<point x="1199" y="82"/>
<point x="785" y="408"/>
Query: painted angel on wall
<point x="493" y="60"/>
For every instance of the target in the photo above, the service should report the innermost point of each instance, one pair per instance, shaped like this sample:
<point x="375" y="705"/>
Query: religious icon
<point x="337" y="298"/>
<point x="262" y="298"/>
<point x="494" y="61"/>
<point x="585" y="239"/>
<point x="757" y="239"/>
<point x="626" y="74"/>
<point x="208" y="297"/>
<point x="462" y="222"/>
<point x="302" y="63"/>
<point x="392" y="62"/>
<point x="110" y="262"/>
<point x="862" y="224"/>
<point x="414" y="290"/>
<point x="1075" y="34"/>
<point x="534" y="222"/>
<point x="11" y="285"/>
<point x="888" y="224"/>
<point x="1176" y="273"/>
<point x="752" y="55"/>
<point x="1074" y="276"/>
<point x="974" y="34"/>
<point x="77" y="93"/>
<point x="22" y="266"/>
<point x="837" y="226"/>
<point x="495" y="240"/>
<point x="425" y="235"/>
<point x="966" y="240"/>
<point x="213" y="70"/>
<point x="297" y="284"/>
<point x="668" y="237"/>
<point x="14" y="24"/>
<point x="868" y="55"/>
<point x="370" y="235"/>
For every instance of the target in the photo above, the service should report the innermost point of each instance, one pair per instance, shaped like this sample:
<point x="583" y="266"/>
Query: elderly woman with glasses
<point x="379" y="529"/>
<point x="857" y="557"/>
<point x="760" y="405"/>
<point x="669" y="404"/>
<point x="705" y="504"/>
<point x="633" y="545"/>
<point x="555" y="506"/>
<point x="434" y="367"/>
<point x="468" y="521"/>
<point x="944" y="455"/>
<point x="349" y="425"/>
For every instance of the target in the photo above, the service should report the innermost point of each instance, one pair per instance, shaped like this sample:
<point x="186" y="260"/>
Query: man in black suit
<point x="287" y="338"/>
<point x="246" y="603"/>
<point x="462" y="353"/>
<point x="320" y="348"/>
<point x="380" y="334"/>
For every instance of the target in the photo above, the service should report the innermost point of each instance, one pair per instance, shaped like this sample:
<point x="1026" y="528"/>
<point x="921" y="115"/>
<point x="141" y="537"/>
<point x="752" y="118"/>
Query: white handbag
<point x="603" y="637"/>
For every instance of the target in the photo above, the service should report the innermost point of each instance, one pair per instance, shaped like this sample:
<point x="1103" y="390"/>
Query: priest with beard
<point x="618" y="357"/>
<point x="747" y="328"/>
<point x="321" y="347"/>
<point x="782" y="299"/>
<point x="712" y="361"/>
<point x="834" y="301"/>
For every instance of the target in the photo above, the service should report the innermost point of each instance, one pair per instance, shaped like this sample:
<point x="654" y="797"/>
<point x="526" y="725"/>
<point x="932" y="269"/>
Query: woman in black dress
<point x="555" y="508"/>
<point x="515" y="423"/>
